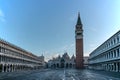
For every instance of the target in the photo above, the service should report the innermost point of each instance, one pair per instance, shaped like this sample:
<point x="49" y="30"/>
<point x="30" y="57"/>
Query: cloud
<point x="92" y="47"/>
<point x="73" y="17"/>
<point x="59" y="51"/>
<point x="86" y="53"/>
<point x="68" y="47"/>
<point x="49" y="55"/>
<point x="94" y="29"/>
<point x="1" y="13"/>
<point x="2" y="16"/>
<point x="55" y="55"/>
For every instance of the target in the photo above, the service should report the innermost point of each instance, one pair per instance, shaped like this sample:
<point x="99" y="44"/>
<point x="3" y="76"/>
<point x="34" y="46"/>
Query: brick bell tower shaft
<point x="79" y="43"/>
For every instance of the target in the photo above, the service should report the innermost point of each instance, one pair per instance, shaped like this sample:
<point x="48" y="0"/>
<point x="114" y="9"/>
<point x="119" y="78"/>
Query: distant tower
<point x="79" y="44"/>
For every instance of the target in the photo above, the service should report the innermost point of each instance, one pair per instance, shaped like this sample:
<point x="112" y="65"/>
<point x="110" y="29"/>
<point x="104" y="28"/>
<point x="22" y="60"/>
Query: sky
<point x="48" y="26"/>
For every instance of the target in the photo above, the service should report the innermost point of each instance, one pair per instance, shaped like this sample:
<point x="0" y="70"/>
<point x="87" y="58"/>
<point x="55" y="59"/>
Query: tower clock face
<point x="79" y="34"/>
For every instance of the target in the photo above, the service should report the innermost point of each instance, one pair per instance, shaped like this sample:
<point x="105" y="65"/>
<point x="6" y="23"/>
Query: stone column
<point x="110" y="55"/>
<point x="113" y="54"/>
<point x="1" y="58"/>
<point x="110" y="66"/>
<point x="107" y="67"/>
<point x="14" y="67"/>
<point x="6" y="68"/>
<point x="116" y="66"/>
<point x="104" y="66"/>
<point x="9" y="68"/>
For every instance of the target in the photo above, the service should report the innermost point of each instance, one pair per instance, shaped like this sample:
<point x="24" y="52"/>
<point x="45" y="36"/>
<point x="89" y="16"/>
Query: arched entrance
<point x="57" y="65"/>
<point x="54" y="65"/>
<point x="0" y="67"/>
<point x="62" y="63"/>
<point x="5" y="68"/>
<point x="66" y="65"/>
<point x="70" y="65"/>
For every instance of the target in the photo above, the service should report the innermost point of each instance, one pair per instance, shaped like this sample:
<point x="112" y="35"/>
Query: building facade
<point x="63" y="61"/>
<point x="42" y="60"/>
<point x="107" y="55"/>
<point x="79" y="43"/>
<point x="14" y="58"/>
<point x="86" y="62"/>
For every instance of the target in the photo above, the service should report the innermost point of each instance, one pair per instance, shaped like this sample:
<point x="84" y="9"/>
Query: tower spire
<point x="79" y="20"/>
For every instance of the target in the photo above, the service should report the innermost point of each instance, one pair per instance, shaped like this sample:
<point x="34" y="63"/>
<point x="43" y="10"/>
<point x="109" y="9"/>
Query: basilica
<point x="63" y="61"/>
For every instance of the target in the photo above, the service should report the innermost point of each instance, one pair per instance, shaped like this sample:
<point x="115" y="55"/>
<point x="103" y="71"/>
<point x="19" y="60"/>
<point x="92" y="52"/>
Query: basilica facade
<point x="63" y="61"/>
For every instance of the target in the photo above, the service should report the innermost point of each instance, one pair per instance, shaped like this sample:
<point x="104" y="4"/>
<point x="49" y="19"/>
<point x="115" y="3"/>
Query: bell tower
<point x="79" y="43"/>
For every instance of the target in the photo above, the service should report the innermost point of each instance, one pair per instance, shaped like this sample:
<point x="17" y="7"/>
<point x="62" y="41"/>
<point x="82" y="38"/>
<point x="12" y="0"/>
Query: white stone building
<point x="107" y="55"/>
<point x="86" y="61"/>
<point x="14" y="58"/>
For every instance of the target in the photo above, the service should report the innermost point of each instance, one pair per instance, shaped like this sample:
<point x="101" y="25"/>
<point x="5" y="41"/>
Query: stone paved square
<point x="60" y="74"/>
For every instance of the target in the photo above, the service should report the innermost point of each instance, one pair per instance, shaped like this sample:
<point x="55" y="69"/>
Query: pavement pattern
<point x="60" y="74"/>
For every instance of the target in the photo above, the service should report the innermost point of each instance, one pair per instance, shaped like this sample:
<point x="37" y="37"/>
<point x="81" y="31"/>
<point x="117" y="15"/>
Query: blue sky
<point x="48" y="26"/>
